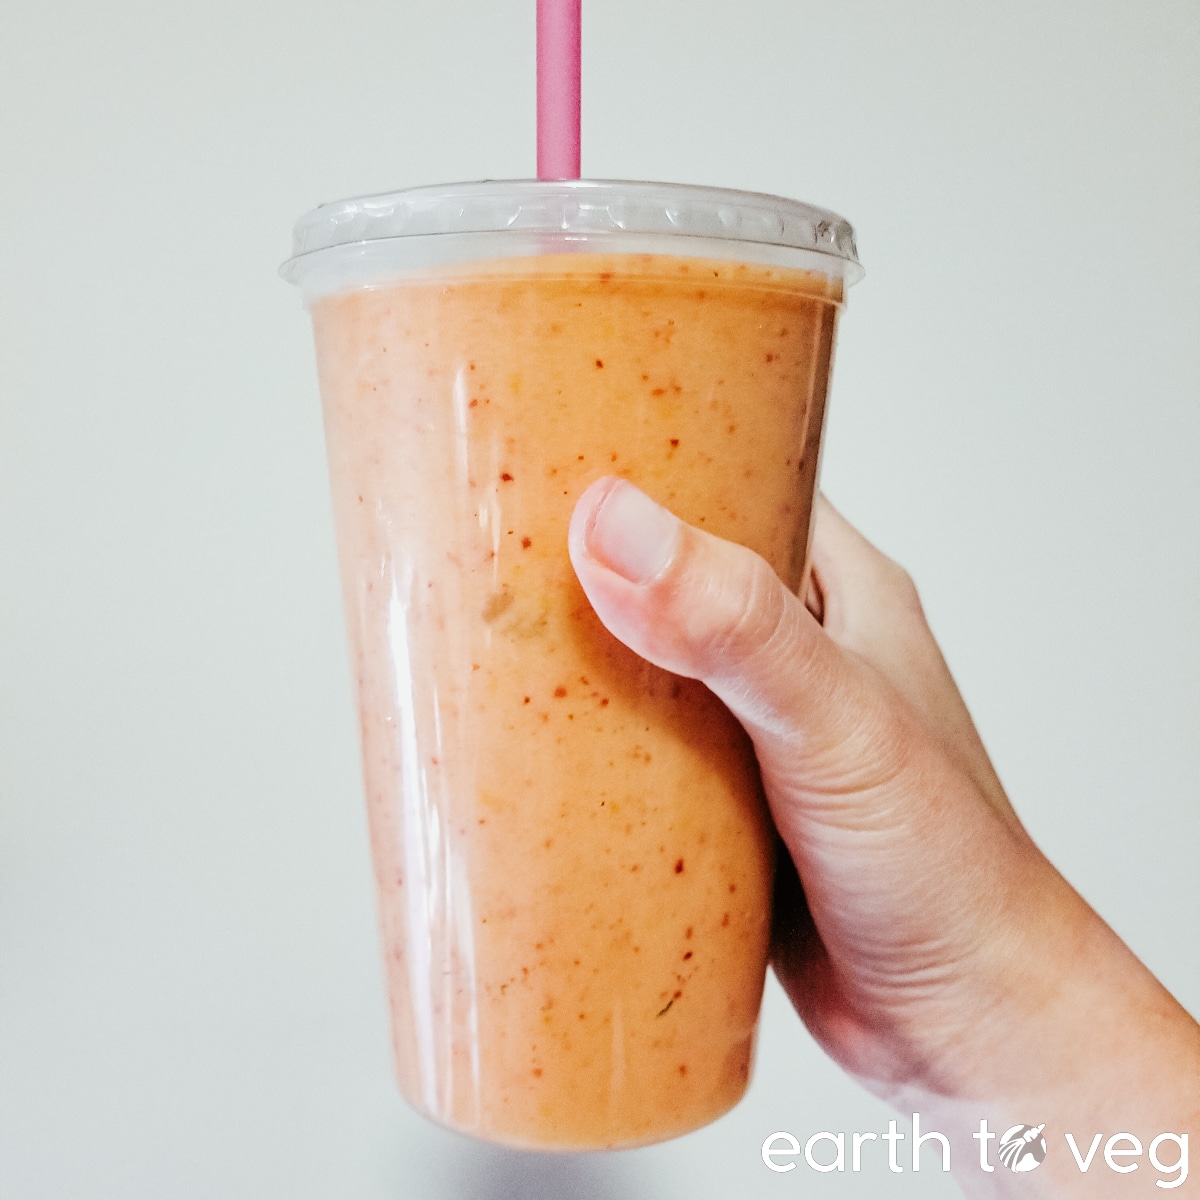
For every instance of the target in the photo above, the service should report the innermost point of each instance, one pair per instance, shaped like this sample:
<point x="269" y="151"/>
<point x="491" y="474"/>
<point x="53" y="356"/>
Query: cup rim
<point x="571" y="209"/>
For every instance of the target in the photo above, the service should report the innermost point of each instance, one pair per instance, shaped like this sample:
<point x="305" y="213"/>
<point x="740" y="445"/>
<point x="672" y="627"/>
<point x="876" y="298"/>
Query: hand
<point x="929" y="946"/>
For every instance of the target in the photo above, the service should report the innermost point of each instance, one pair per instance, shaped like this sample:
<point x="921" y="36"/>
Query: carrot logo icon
<point x="1022" y="1148"/>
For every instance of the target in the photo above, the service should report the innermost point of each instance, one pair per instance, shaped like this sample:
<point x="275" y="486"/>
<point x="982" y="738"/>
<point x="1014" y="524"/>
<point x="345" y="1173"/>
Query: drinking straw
<point x="558" y="89"/>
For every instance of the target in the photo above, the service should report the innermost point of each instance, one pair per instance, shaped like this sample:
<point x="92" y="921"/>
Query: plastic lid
<point x="577" y="208"/>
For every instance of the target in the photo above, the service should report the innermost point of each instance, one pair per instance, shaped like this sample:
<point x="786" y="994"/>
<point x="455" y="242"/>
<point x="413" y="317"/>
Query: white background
<point x="190" y="1002"/>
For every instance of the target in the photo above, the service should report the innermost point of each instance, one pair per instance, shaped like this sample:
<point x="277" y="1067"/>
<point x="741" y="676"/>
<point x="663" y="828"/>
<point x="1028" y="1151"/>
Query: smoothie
<point x="573" y="856"/>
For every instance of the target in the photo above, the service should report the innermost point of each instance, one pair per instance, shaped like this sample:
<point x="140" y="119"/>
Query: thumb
<point x="712" y="610"/>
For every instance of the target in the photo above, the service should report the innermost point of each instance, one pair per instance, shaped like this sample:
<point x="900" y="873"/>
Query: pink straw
<point x="558" y="89"/>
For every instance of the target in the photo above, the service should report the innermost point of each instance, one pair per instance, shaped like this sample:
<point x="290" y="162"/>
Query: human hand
<point x="933" y="951"/>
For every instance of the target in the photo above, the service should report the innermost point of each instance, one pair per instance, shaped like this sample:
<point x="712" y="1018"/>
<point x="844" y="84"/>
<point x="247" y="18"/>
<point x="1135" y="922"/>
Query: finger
<point x="713" y="610"/>
<point x="870" y="606"/>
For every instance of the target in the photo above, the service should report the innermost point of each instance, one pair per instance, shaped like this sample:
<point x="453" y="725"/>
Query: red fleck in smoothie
<point x="573" y="855"/>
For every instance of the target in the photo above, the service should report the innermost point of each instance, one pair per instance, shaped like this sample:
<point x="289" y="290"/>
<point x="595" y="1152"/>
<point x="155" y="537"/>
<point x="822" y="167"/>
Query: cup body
<point x="573" y="856"/>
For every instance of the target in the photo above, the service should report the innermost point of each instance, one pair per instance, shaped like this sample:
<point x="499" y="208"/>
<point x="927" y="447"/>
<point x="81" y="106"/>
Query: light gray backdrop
<point x="190" y="1002"/>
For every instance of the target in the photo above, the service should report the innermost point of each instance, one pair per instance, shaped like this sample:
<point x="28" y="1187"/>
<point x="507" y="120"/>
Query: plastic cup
<point x="573" y="856"/>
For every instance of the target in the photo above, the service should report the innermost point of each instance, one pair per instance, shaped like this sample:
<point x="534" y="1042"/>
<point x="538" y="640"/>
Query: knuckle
<point x="900" y="585"/>
<point x="743" y="614"/>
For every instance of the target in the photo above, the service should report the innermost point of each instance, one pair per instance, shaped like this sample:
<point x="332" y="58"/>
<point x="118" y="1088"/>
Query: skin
<point x="929" y="946"/>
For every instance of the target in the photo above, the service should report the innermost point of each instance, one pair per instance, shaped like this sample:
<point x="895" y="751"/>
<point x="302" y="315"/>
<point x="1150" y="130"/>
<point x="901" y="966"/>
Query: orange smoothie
<point x="572" y="851"/>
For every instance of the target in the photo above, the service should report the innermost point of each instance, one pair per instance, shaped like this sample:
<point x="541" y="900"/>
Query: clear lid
<point x="558" y="214"/>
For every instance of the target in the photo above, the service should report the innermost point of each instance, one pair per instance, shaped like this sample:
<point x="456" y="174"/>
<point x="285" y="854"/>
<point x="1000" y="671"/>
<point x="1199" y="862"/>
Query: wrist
<point x="1089" y="1045"/>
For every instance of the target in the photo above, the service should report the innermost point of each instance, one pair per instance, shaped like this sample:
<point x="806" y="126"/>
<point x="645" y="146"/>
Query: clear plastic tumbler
<point x="573" y="856"/>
